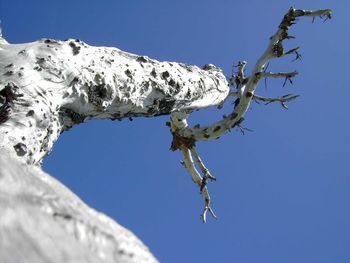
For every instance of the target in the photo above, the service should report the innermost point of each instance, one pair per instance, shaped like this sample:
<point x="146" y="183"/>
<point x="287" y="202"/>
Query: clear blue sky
<point x="283" y="191"/>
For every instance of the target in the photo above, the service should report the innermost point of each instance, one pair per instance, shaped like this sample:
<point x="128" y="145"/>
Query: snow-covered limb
<point x="48" y="86"/>
<point x="186" y="136"/>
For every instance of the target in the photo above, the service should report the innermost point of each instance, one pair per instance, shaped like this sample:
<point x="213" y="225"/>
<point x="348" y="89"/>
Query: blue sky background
<point x="283" y="191"/>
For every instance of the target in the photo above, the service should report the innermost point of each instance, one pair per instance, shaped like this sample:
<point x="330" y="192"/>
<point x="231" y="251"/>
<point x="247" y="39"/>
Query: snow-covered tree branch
<point x="48" y="86"/>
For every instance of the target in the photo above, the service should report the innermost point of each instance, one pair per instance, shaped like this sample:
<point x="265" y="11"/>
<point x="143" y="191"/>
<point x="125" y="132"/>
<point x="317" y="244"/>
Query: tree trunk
<point x="48" y="86"/>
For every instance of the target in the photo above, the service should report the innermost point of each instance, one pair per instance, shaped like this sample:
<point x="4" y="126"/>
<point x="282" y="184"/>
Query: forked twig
<point x="185" y="137"/>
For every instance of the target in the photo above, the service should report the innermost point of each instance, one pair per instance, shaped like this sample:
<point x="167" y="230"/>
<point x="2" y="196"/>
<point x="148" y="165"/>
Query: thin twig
<point x="283" y="99"/>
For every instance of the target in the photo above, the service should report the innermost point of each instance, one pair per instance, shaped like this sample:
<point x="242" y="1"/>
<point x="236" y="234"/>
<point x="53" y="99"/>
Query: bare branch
<point x="322" y="13"/>
<point x="287" y="75"/>
<point x="283" y="99"/>
<point x="295" y="51"/>
<point x="207" y="208"/>
<point x="243" y="129"/>
<point x="189" y="164"/>
<point x="206" y="173"/>
<point x="246" y="86"/>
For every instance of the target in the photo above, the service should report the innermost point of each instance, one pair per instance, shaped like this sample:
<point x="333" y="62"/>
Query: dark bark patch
<point x="161" y="107"/>
<point x="9" y="92"/>
<point x="188" y="94"/>
<point x="142" y="59"/>
<point x="165" y="75"/>
<point x="8" y="73"/>
<point x="145" y="86"/>
<point x="20" y="148"/>
<point x="40" y="61"/>
<point x="128" y="73"/>
<point x="249" y="94"/>
<point x="22" y="52"/>
<point x="217" y="128"/>
<point x="166" y="106"/>
<point x="236" y="102"/>
<point x="172" y="83"/>
<point x="63" y="215"/>
<point x="154" y="73"/>
<point x="97" y="94"/>
<point x="4" y="113"/>
<point x="75" y="48"/>
<point x="50" y="41"/>
<point x="100" y="91"/>
<point x="74" y="81"/>
<point x="177" y="87"/>
<point x="208" y="67"/>
<point x="30" y="113"/>
<point x="179" y="142"/>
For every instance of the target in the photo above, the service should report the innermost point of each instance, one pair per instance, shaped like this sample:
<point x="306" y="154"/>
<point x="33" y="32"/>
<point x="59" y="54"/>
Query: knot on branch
<point x="180" y="142"/>
<point x="238" y="78"/>
<point x="9" y="93"/>
<point x="7" y="97"/>
<point x="289" y="18"/>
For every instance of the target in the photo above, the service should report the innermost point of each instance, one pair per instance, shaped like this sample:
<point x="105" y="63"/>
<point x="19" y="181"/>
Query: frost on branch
<point x="48" y="86"/>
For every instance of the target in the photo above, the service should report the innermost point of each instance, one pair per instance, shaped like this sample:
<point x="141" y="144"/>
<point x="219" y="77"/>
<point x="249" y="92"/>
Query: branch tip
<point x="185" y="137"/>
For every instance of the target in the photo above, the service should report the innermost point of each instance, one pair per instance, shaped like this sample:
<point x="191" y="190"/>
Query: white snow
<point x="43" y="221"/>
